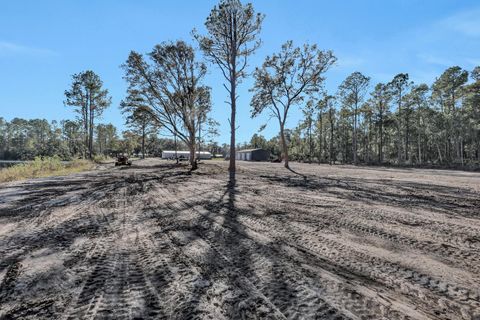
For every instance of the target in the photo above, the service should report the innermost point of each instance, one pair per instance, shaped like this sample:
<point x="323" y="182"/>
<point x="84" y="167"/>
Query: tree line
<point x="398" y="122"/>
<point x="22" y="139"/>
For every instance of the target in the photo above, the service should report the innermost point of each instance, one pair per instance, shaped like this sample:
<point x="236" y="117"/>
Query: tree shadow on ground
<point x="162" y="166"/>
<point x="405" y="194"/>
<point x="235" y="257"/>
<point x="57" y="240"/>
<point x="40" y="202"/>
<point x="304" y="177"/>
<point x="457" y="172"/>
<point x="44" y="194"/>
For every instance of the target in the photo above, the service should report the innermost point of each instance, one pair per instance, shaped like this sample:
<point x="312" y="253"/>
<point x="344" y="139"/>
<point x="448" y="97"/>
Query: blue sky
<point x="42" y="43"/>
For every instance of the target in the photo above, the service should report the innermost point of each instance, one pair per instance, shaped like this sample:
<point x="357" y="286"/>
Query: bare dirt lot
<point x="154" y="242"/>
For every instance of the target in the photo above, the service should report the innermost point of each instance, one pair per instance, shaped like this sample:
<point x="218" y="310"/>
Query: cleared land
<point x="152" y="241"/>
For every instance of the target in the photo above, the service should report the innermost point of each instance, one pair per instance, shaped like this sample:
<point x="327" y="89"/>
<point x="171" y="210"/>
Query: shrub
<point x="100" y="158"/>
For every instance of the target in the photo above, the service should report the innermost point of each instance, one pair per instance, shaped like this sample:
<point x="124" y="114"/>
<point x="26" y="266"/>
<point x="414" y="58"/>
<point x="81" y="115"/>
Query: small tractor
<point x="123" y="161"/>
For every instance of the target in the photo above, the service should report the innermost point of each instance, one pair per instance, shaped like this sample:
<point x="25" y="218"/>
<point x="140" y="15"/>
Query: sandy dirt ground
<point x="154" y="242"/>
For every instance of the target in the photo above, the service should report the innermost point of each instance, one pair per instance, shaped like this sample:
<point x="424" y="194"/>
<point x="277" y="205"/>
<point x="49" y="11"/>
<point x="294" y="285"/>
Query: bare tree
<point x="285" y="79"/>
<point x="171" y="86"/>
<point x="232" y="37"/>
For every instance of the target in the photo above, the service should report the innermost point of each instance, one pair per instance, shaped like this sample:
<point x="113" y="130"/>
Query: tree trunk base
<point x="193" y="166"/>
<point x="231" y="178"/>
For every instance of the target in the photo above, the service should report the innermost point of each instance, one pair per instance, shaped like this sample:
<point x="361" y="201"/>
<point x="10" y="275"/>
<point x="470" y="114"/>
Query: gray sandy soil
<point x="154" y="242"/>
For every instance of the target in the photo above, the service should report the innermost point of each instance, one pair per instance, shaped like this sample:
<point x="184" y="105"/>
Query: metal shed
<point x="253" y="155"/>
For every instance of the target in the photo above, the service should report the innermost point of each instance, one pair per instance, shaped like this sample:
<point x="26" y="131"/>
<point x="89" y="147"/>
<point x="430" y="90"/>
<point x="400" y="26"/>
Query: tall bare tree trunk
<point x="176" y="146"/>
<point x="324" y="135"/>
<point x="90" y="143"/>
<point x="478" y="150"/>
<point x="191" y="148"/>
<point x="310" y="141"/>
<point x="192" y="160"/>
<point x="233" y="98"/>
<point x="439" y="154"/>
<point x="143" y="142"/>
<point x="320" y="119"/>
<point x="199" y="140"/>
<point x="419" y="143"/>
<point x="284" y="146"/>
<point x="369" y="138"/>
<point x="231" y="167"/>
<point x="380" y="148"/>
<point x="331" y="136"/>
<point x="407" y="138"/>
<point x="461" y="151"/>
<point x="399" y="128"/>
<point x="354" y="138"/>
<point x="86" y="125"/>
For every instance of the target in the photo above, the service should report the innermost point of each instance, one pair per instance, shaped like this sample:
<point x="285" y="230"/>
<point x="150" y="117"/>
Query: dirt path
<point x="153" y="242"/>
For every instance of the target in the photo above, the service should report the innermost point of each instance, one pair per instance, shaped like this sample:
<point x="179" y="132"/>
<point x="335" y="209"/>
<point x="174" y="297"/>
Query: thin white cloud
<point x="9" y="48"/>
<point x="349" y="61"/>
<point x="466" y="22"/>
<point x="433" y="59"/>
<point x="474" y="62"/>
<point x="424" y="76"/>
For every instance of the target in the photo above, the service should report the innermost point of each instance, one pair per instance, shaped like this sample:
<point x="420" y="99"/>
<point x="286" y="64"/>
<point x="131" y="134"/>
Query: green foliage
<point x="106" y="140"/>
<point x="286" y="79"/>
<point x="87" y="96"/>
<point x="22" y="139"/>
<point x="400" y="123"/>
<point x="25" y="139"/>
<point x="352" y="89"/>
<point x="167" y="90"/>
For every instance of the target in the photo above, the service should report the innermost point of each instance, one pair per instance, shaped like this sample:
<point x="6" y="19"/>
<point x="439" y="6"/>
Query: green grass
<point x="48" y="166"/>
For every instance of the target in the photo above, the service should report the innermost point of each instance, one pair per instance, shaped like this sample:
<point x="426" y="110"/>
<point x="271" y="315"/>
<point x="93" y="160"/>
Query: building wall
<point x="260" y="155"/>
<point x="255" y="155"/>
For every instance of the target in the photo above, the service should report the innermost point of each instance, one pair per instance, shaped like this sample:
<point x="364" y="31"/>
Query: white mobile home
<point x="168" y="154"/>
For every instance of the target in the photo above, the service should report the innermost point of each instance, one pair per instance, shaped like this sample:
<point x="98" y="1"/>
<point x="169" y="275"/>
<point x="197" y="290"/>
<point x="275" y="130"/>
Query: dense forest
<point x="26" y="139"/>
<point x="399" y="122"/>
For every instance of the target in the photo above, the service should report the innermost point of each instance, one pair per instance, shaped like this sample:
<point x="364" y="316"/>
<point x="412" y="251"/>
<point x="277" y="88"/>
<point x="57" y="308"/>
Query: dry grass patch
<point x="50" y="166"/>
